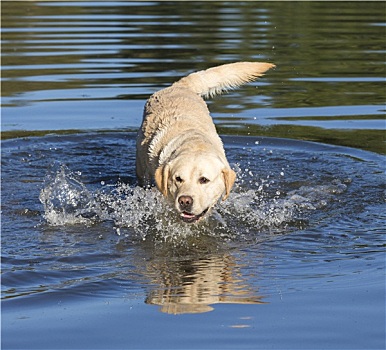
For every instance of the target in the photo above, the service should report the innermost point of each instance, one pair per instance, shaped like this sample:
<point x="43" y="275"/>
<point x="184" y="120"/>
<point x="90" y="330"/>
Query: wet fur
<point x="178" y="137"/>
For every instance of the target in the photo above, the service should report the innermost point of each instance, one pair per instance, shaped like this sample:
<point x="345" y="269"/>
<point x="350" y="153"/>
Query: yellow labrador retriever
<point x="178" y="146"/>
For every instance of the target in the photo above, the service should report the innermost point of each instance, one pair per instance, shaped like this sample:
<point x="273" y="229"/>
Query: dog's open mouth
<point x="190" y="218"/>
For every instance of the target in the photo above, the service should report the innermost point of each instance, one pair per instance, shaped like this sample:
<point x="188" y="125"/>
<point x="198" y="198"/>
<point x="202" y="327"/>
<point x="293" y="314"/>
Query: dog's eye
<point x="178" y="179"/>
<point x="203" y="180"/>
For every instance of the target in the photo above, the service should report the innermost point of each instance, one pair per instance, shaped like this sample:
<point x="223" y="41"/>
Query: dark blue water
<point x="295" y="258"/>
<point x="297" y="248"/>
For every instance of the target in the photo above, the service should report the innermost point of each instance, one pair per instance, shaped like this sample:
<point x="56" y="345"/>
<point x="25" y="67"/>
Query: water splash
<point x="66" y="199"/>
<point x="254" y="205"/>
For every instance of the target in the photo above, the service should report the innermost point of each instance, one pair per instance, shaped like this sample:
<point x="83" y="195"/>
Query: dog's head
<point x="195" y="184"/>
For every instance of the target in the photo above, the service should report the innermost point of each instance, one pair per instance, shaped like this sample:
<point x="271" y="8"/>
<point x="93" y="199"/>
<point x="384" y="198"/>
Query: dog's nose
<point x="185" y="202"/>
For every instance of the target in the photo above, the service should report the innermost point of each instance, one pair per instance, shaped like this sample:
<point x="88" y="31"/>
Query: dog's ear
<point x="229" y="177"/>
<point x="161" y="177"/>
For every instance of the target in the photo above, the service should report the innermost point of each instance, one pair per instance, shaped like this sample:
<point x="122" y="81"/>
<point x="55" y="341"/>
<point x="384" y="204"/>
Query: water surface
<point x="299" y="243"/>
<point x="295" y="258"/>
<point x="79" y="65"/>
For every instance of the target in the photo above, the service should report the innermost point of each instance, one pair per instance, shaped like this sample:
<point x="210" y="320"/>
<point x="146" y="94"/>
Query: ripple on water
<point x="256" y="205"/>
<point x="282" y="186"/>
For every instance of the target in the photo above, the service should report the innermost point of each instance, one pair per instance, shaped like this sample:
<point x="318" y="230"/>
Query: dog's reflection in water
<point x="193" y="286"/>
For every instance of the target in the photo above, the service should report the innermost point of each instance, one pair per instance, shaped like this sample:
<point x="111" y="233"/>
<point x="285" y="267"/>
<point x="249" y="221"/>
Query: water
<point x="293" y="259"/>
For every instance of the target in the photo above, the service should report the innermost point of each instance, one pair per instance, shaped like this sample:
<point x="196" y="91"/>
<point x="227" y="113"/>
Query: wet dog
<point x="178" y="146"/>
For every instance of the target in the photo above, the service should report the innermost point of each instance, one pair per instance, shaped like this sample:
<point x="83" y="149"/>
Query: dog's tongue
<point x="188" y="215"/>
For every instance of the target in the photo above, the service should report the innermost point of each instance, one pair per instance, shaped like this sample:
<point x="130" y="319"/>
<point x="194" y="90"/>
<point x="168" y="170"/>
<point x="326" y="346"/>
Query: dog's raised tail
<point x="216" y="80"/>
